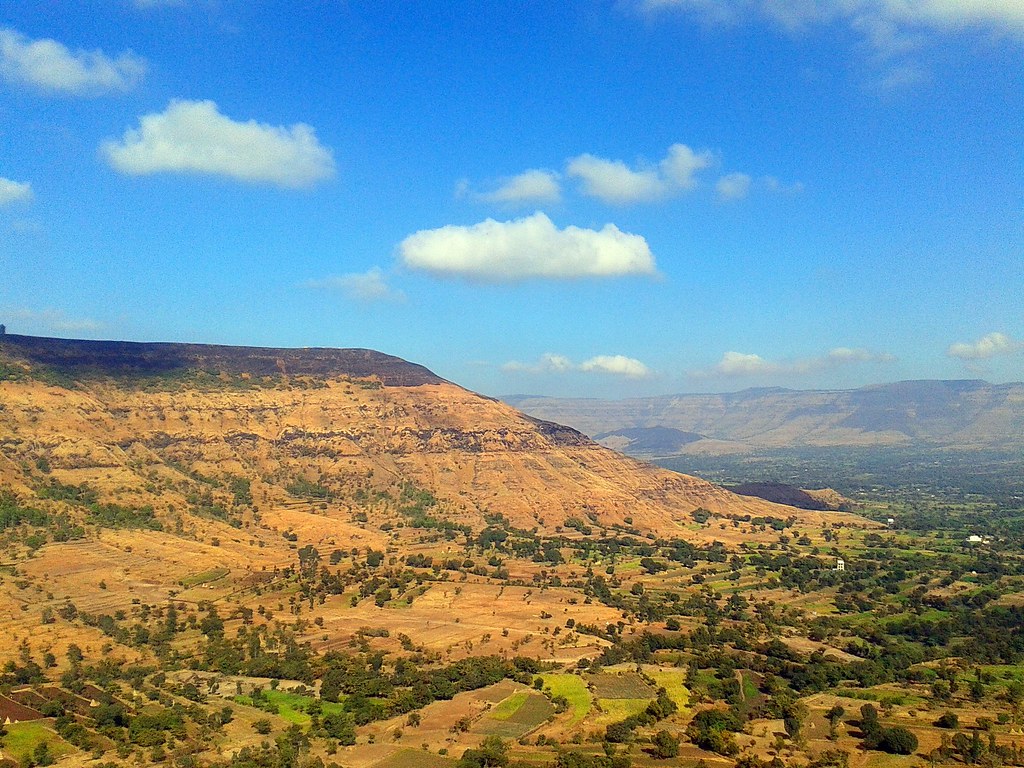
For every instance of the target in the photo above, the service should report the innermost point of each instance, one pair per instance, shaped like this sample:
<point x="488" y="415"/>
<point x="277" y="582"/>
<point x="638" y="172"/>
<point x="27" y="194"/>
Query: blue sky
<point x="614" y="199"/>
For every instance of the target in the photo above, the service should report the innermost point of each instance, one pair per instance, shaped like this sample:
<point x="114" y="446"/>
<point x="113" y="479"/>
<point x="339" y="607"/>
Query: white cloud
<point x="46" y="321"/>
<point x="549" y="363"/>
<point x="616" y="183"/>
<point x="733" y="186"/>
<point x="13" y="191"/>
<point x="777" y="187"/>
<point x="194" y="137"/>
<point x="990" y="345"/>
<point x="527" y="188"/>
<point x="365" y="287"/>
<point x="893" y="28"/>
<point x="615" y="365"/>
<point x="531" y="247"/>
<point x="618" y="365"/>
<point x="739" y="364"/>
<point x="942" y="14"/>
<point x="51" y="67"/>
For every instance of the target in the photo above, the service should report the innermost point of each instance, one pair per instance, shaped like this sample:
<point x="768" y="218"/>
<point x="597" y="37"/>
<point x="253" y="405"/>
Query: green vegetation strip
<point x="204" y="578"/>
<point x="574" y="690"/>
<point x="505" y="709"/>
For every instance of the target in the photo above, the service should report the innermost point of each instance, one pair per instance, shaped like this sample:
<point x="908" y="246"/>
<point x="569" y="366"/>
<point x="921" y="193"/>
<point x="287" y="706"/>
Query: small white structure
<point x="975" y="539"/>
<point x="891" y="522"/>
<point x="840" y="564"/>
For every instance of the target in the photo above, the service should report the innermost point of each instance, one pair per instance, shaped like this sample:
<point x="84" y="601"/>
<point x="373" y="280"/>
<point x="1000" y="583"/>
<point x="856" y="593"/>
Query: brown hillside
<point x="147" y="440"/>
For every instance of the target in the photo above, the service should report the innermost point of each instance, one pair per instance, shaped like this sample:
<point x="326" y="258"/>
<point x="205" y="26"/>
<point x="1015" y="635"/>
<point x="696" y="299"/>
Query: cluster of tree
<point x="895" y="740"/>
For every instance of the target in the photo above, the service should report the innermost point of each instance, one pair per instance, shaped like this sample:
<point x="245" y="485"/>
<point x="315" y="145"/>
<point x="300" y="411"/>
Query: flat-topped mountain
<point x="82" y="357"/>
<point x="956" y="414"/>
<point x="140" y="422"/>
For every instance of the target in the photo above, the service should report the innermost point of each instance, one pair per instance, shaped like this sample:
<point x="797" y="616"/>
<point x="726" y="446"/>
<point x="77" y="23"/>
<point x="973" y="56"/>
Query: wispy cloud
<point x="892" y="29"/>
<point x="776" y="187"/>
<point x="14" y="191"/>
<point x="365" y="287"/>
<point x="741" y="364"/>
<point x="952" y="15"/>
<point x="51" y="67"/>
<point x="614" y="182"/>
<point x="532" y="187"/>
<point x="527" y="248"/>
<point x="194" y="137"/>
<point x="45" y="321"/>
<point x="988" y="346"/>
<point x="613" y="365"/>
<point x="733" y="186"/>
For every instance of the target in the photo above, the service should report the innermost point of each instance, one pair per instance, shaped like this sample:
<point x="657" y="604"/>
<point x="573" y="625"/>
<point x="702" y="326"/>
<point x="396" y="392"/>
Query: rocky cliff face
<point x="367" y="426"/>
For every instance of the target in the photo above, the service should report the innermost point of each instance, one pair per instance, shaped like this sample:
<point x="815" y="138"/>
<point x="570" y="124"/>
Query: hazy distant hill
<point x="961" y="414"/>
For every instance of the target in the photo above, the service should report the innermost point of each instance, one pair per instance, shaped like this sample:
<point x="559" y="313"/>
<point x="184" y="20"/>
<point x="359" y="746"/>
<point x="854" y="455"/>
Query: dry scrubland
<point x="282" y="570"/>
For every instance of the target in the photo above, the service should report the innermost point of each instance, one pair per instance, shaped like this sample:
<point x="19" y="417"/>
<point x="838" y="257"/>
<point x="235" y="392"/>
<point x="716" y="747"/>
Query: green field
<point x="204" y="578"/>
<point x="516" y="716"/>
<point x="507" y="708"/>
<point x="574" y="689"/>
<point x="23" y="738"/>
<point x="292" y="706"/>
<point x="673" y="681"/>
<point x="614" y="710"/>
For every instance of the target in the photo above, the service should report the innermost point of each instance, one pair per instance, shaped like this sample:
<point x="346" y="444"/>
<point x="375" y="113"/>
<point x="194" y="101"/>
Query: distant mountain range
<point x="967" y="414"/>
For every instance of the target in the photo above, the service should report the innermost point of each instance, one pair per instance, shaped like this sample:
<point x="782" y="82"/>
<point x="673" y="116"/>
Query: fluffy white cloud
<point x="615" y="365"/>
<point x="194" y="137"/>
<point x="51" y="67"/>
<point x="733" y="186"/>
<point x="13" y="191"/>
<point x="366" y="287"/>
<point x="990" y="345"/>
<point x="46" y="321"/>
<point x="531" y="247"/>
<point x="618" y="365"/>
<point x="739" y="364"/>
<point x="616" y="183"/>
<point x="527" y="188"/>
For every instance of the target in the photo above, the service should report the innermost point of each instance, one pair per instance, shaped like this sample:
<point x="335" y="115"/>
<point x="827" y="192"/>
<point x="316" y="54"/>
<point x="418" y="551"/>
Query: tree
<point x="492" y="753"/>
<point x="793" y="719"/>
<point x="665" y="745"/>
<point x="897" y="741"/>
<point x="340" y="726"/>
<point x="834" y="716"/>
<point x="617" y="733"/>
